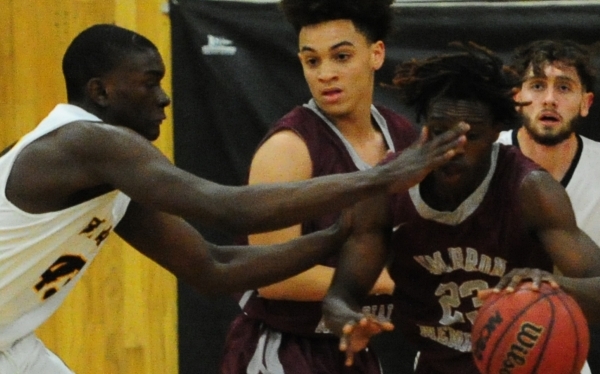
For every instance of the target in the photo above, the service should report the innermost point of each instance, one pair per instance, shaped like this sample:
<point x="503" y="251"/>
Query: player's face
<point x="558" y="100"/>
<point x="339" y="65"/>
<point x="134" y="96"/>
<point x="465" y="171"/>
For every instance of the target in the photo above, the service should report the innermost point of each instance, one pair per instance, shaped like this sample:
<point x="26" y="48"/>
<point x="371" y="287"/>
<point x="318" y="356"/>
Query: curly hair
<point x="541" y="52"/>
<point x="96" y="51"/>
<point x="475" y="73"/>
<point x="373" y="18"/>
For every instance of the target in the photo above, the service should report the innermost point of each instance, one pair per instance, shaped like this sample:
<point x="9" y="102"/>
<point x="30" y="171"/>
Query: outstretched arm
<point x="87" y="156"/>
<point x="212" y="269"/>
<point x="123" y="159"/>
<point x="362" y="258"/>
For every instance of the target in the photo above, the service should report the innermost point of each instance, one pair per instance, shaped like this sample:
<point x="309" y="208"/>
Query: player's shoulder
<point x="298" y="121"/>
<point x="538" y="186"/>
<point x="284" y="139"/>
<point x="282" y="157"/>
<point x="590" y="144"/>
<point x="85" y="138"/>
<point x="296" y="116"/>
<point x="506" y="137"/>
<point x="515" y="171"/>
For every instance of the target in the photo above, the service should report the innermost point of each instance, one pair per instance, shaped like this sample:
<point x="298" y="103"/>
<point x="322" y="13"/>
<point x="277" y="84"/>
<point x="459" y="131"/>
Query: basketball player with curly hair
<point x="340" y="130"/>
<point x="558" y="81"/>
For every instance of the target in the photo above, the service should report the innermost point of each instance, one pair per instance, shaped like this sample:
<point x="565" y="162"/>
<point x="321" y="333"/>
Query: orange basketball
<point x="530" y="332"/>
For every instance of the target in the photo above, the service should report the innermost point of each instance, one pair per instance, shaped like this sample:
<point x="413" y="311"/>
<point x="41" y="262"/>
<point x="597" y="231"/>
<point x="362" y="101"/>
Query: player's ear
<point x="96" y="91"/>
<point x="377" y="54"/>
<point x="586" y="102"/>
<point x="517" y="94"/>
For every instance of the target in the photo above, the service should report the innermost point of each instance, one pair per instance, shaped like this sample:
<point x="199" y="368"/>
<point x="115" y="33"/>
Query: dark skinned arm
<point x="362" y="259"/>
<point x="212" y="269"/>
<point x="121" y="158"/>
<point x="548" y="212"/>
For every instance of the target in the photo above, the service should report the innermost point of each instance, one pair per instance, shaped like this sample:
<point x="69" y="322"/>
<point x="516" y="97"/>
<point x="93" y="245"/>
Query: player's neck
<point x="356" y="122"/>
<point x="446" y="196"/>
<point x="363" y="134"/>
<point x="556" y="159"/>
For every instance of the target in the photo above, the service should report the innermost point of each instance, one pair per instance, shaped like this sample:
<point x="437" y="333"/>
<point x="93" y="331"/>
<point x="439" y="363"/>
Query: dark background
<point x="224" y="104"/>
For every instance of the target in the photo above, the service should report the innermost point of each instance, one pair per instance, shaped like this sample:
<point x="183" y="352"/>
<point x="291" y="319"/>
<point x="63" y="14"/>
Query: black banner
<point x="235" y="72"/>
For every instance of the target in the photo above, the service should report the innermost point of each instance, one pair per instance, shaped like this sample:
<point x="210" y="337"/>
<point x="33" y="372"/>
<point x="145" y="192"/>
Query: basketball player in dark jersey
<point x="338" y="131"/>
<point x="490" y="217"/>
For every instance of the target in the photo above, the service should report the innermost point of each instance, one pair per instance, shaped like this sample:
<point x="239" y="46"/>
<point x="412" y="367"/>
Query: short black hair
<point x="541" y="52"/>
<point x="96" y="51"/>
<point x="475" y="73"/>
<point x="373" y="18"/>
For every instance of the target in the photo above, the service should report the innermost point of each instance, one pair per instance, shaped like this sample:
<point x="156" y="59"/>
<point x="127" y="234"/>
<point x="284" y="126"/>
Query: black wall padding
<point x="235" y="72"/>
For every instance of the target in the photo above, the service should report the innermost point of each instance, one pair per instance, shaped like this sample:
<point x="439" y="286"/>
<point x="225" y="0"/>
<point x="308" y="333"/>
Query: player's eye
<point x="311" y="61"/>
<point x="564" y="88"/>
<point x="342" y="56"/>
<point x="537" y="86"/>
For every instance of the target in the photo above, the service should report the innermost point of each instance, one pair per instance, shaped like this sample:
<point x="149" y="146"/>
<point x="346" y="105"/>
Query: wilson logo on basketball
<point x="490" y="326"/>
<point x="526" y="339"/>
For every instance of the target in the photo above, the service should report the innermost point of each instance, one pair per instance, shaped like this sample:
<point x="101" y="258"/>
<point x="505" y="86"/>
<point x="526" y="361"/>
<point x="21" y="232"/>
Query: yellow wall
<point x="122" y="316"/>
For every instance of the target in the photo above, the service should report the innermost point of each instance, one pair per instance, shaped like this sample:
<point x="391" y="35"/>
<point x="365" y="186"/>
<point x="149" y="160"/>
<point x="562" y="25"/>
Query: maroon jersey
<point x="329" y="156"/>
<point x="441" y="259"/>
<point x="303" y="344"/>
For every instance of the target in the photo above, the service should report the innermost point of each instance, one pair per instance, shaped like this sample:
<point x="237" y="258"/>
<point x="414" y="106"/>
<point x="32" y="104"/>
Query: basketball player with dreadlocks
<point x="488" y="218"/>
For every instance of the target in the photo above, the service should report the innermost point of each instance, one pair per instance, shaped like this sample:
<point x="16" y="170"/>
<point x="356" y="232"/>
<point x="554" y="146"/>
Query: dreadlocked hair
<point x="373" y="18"/>
<point x="476" y="74"/>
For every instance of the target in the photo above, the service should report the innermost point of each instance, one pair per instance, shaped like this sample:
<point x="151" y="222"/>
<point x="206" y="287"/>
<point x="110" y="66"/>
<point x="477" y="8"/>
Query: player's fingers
<point x="423" y="136"/>
<point x="349" y="359"/>
<point x="514" y="282"/>
<point x="343" y="343"/>
<point x="536" y="280"/>
<point x="348" y="328"/>
<point x="504" y="282"/>
<point x="452" y="138"/>
<point x="447" y="145"/>
<point x="484" y="294"/>
<point x="549" y="278"/>
<point x="387" y="326"/>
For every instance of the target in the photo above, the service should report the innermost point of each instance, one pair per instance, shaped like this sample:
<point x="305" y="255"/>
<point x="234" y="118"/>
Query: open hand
<point x="356" y="335"/>
<point x="412" y="165"/>
<point x="511" y="280"/>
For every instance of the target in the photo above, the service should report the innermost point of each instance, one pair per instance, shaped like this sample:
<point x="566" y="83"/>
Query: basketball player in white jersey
<point x="559" y="83"/>
<point x="89" y="168"/>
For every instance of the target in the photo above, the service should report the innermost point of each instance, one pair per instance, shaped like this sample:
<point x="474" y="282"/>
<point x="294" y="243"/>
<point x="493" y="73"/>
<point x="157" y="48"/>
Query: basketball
<point x="530" y="331"/>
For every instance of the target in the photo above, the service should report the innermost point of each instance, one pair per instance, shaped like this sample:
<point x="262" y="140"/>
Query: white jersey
<point x="582" y="186"/>
<point x="42" y="256"/>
